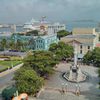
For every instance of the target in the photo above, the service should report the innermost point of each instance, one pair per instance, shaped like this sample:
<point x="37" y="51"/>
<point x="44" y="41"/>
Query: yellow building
<point x="86" y="39"/>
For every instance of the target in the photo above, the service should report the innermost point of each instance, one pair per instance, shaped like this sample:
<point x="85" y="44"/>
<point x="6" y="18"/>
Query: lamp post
<point x="11" y="63"/>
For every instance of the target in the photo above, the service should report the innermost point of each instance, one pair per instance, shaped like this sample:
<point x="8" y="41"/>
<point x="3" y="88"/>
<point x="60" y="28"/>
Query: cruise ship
<point x="43" y="25"/>
<point x="32" y="25"/>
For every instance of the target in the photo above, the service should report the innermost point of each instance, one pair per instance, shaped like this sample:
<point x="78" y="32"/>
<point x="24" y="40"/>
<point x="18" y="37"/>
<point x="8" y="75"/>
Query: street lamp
<point x="11" y="63"/>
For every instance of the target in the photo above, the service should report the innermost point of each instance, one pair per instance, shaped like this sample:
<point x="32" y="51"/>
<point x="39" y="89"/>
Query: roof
<point x="83" y="30"/>
<point x="47" y="36"/>
<point x="74" y="41"/>
<point x="81" y="36"/>
<point x="78" y="42"/>
<point x="98" y="45"/>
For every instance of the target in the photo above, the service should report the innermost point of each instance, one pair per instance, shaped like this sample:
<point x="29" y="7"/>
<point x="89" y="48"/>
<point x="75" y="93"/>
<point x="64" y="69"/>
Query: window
<point x="80" y="51"/>
<point x="81" y="46"/>
<point x="88" y="47"/>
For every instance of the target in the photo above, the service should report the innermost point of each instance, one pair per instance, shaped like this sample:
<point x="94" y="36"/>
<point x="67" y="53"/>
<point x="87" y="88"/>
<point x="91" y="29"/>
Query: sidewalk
<point x="10" y="70"/>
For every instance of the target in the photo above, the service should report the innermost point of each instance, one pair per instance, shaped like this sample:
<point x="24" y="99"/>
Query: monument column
<point x="75" y="53"/>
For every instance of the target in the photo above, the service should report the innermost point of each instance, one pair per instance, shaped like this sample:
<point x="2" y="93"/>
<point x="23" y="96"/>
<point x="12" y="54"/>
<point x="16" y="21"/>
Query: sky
<point x="21" y="11"/>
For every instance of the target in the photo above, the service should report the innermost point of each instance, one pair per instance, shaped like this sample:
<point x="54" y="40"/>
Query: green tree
<point x="27" y="80"/>
<point x="3" y="44"/>
<point x="93" y="57"/>
<point x="18" y="45"/>
<point x="61" y="50"/>
<point x="88" y="57"/>
<point x="33" y="32"/>
<point x="11" y="45"/>
<point x="31" y="43"/>
<point x="62" y="33"/>
<point x="96" y="56"/>
<point x="42" y="62"/>
<point x="8" y="93"/>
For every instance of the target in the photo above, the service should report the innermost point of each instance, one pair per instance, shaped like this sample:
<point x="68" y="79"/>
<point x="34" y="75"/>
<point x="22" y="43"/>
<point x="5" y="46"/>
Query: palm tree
<point x="31" y="43"/>
<point x="11" y="45"/>
<point x="3" y="44"/>
<point x="19" y="45"/>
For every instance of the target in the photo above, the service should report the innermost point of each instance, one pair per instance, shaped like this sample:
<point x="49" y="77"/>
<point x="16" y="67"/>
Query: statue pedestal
<point x="70" y="75"/>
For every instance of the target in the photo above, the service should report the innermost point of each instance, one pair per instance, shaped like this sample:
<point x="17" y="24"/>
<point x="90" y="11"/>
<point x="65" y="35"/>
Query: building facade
<point x="36" y="42"/>
<point x="43" y="42"/>
<point x="87" y="39"/>
<point x="54" y="28"/>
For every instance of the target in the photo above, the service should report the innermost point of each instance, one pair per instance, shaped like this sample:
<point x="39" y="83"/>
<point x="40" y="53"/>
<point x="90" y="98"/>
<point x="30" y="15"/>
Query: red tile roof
<point x="98" y="45"/>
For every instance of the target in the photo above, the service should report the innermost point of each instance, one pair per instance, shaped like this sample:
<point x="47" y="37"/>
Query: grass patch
<point x="5" y="64"/>
<point x="15" y="58"/>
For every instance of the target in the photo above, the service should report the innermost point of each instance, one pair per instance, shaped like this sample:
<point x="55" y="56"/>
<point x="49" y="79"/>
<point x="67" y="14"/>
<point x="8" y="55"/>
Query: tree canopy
<point x="87" y="57"/>
<point x="62" y="33"/>
<point x="27" y="80"/>
<point x="61" y="50"/>
<point x="92" y="57"/>
<point x="41" y="61"/>
<point x="8" y="93"/>
<point x="33" y="32"/>
<point x="3" y="44"/>
<point x="36" y="65"/>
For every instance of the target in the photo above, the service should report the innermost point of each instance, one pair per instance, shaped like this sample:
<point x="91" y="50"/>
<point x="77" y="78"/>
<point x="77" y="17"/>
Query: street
<point x="6" y="80"/>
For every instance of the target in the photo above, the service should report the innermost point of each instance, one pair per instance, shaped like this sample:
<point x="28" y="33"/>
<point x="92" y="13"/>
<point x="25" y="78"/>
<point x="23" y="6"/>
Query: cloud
<point x="19" y="11"/>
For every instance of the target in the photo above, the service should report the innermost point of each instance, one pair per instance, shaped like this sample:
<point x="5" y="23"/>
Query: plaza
<point x="89" y="90"/>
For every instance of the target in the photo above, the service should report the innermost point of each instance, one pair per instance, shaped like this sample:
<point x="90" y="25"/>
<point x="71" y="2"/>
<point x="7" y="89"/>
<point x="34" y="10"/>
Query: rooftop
<point x="83" y="31"/>
<point x="81" y="36"/>
<point x="47" y="36"/>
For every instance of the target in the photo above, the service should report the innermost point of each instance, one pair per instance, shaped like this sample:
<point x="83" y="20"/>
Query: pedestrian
<point x="77" y="89"/>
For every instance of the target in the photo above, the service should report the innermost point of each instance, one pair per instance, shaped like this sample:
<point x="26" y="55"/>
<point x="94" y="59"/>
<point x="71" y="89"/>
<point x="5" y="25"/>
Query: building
<point x="36" y="42"/>
<point x="55" y="27"/>
<point x="44" y="26"/>
<point x="43" y="42"/>
<point x="85" y="38"/>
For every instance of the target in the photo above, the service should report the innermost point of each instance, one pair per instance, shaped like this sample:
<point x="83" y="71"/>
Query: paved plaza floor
<point x="89" y="89"/>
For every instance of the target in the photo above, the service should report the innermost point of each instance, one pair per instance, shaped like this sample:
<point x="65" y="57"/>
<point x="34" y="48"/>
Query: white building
<point x="43" y="26"/>
<point x="55" y="27"/>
